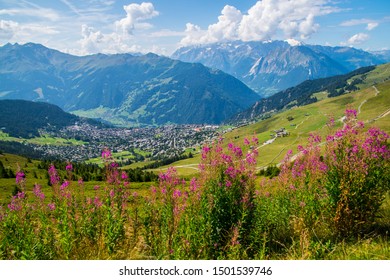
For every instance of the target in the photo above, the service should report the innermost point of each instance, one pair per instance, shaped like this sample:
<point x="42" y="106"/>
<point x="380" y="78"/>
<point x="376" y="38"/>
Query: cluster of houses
<point x="161" y="142"/>
<point x="281" y="132"/>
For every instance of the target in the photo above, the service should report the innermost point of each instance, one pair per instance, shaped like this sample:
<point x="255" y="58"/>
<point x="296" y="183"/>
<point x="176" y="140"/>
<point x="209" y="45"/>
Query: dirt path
<point x="376" y="90"/>
<point x="302" y="122"/>
<point x="360" y="106"/>
<point x="384" y="114"/>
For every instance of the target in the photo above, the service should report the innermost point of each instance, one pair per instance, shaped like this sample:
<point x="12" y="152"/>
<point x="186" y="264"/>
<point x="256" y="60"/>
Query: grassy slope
<point x="308" y="119"/>
<point x="123" y="156"/>
<point x="38" y="176"/>
<point x="43" y="140"/>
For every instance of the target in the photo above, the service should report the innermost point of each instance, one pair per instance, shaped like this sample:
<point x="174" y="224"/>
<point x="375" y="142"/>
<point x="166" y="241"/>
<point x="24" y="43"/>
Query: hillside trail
<point x="376" y="90"/>
<point x="385" y="113"/>
<point x="302" y="122"/>
<point x="360" y="106"/>
<point x="365" y="100"/>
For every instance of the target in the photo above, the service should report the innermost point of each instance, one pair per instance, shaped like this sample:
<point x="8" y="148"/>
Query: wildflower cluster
<point x="358" y="173"/>
<point x="215" y="211"/>
<point x="64" y="224"/>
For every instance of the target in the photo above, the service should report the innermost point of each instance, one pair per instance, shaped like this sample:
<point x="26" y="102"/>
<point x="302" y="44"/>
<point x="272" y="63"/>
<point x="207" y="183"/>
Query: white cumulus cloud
<point x="136" y="13"/>
<point x="266" y="20"/>
<point x="120" y="40"/>
<point x="91" y="39"/>
<point x="193" y="35"/>
<point x="357" y="39"/>
<point x="371" y="25"/>
<point x="226" y="27"/>
<point x="94" y="41"/>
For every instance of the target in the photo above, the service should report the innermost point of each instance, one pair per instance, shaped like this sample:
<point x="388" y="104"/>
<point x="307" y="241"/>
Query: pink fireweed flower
<point x="228" y="184"/>
<point x="237" y="152"/>
<point x="14" y="206"/>
<point x="193" y="185"/>
<point x="330" y="124"/>
<point x="51" y="206"/>
<point x="168" y="176"/>
<point x="64" y="185"/>
<point x="218" y="149"/>
<point x="20" y="177"/>
<point x="135" y="194"/>
<point x="96" y="187"/>
<point x="330" y="138"/>
<point x="350" y="113"/>
<point x="69" y="167"/>
<point x="20" y="195"/>
<point x="80" y="182"/>
<point x="288" y="156"/>
<point x="355" y="149"/>
<point x="246" y="142"/>
<point x="112" y="193"/>
<point x="255" y="140"/>
<point x="97" y="202"/>
<point x="315" y="138"/>
<point x="124" y="175"/>
<point x="176" y="193"/>
<point x="230" y="146"/>
<point x="250" y="159"/>
<point x="54" y="178"/>
<point x="106" y="154"/>
<point x="231" y="172"/>
<point x="205" y="151"/>
<point x="339" y="134"/>
<point x="38" y="192"/>
<point x="16" y="203"/>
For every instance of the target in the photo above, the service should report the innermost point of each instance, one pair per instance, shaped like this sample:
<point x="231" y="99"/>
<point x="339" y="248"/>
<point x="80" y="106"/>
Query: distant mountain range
<point x="123" y="89"/>
<point x="269" y="67"/>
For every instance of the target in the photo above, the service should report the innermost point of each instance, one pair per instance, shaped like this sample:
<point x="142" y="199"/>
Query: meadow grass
<point x="42" y="140"/>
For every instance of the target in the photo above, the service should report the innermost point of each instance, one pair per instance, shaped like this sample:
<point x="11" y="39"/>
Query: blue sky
<point x="161" y="26"/>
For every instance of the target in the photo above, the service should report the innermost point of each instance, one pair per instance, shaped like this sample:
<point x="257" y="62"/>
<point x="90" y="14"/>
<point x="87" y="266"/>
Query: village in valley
<point x="156" y="143"/>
